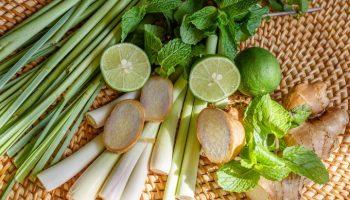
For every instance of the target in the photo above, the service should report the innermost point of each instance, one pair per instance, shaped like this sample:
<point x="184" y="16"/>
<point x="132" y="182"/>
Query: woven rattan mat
<point x="312" y="47"/>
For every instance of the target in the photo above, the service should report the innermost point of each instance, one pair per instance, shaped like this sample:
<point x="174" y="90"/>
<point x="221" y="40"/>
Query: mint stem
<point x="276" y="14"/>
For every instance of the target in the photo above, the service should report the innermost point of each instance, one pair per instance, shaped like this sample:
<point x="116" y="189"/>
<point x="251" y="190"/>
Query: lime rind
<point x="214" y="78"/>
<point x="125" y="67"/>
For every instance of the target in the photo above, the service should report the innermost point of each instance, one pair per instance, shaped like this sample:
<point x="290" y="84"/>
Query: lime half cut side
<point x="214" y="78"/>
<point x="125" y="67"/>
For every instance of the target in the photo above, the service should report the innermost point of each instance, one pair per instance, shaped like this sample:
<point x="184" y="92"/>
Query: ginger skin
<point x="313" y="95"/>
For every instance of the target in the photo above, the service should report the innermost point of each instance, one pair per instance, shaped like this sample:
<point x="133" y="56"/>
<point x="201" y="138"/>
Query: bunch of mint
<point x="266" y="123"/>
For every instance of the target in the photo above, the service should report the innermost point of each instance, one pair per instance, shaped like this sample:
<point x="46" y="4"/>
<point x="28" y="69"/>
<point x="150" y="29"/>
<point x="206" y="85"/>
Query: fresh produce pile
<point x="178" y="64"/>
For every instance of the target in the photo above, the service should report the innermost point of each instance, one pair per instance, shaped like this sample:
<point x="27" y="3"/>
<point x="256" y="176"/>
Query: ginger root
<point x="313" y="95"/>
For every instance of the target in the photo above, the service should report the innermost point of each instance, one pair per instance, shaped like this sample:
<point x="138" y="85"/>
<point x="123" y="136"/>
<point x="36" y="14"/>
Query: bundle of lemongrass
<point x="62" y="88"/>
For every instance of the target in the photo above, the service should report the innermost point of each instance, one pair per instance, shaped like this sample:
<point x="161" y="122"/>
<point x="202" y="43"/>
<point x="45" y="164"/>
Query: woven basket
<point x="313" y="47"/>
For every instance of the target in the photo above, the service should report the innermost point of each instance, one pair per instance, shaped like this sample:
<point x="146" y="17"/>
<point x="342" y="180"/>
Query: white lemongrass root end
<point x="60" y="173"/>
<point x="98" y="117"/>
<point x="163" y="149"/>
<point x="89" y="183"/>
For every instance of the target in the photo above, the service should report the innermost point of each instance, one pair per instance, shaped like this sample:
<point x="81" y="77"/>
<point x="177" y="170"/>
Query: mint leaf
<point x="190" y="34"/>
<point x="270" y="165"/>
<point x="235" y="178"/>
<point x="187" y="7"/>
<point x="172" y="54"/>
<point x="154" y="6"/>
<point x="238" y="9"/>
<point x="306" y="163"/>
<point x="131" y="20"/>
<point x="227" y="45"/>
<point x="254" y="19"/>
<point x="267" y="116"/>
<point x="300" y="114"/>
<point x="204" y="18"/>
<point x="153" y="42"/>
<point x="303" y="5"/>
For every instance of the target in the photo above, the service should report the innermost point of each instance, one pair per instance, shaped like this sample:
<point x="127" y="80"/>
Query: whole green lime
<point x="260" y="71"/>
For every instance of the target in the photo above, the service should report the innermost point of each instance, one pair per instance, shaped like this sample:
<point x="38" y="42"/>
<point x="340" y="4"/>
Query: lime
<point x="125" y="67"/>
<point x="214" y="78"/>
<point x="260" y="71"/>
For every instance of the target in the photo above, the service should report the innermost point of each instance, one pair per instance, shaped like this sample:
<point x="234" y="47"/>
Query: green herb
<point x="287" y="5"/>
<point x="300" y="114"/>
<point x="161" y="5"/>
<point x="172" y="54"/>
<point x="131" y="20"/>
<point x="187" y="7"/>
<point x="189" y="34"/>
<point x="204" y="18"/>
<point x="235" y="178"/>
<point x="305" y="163"/>
<point x="153" y="41"/>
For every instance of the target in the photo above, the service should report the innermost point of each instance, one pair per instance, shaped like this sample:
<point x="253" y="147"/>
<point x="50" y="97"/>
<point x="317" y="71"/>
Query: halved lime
<point x="214" y="78"/>
<point x="125" y="67"/>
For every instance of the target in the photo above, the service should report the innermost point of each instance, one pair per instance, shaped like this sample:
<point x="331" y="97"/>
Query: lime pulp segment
<point x="125" y="67"/>
<point x="214" y="78"/>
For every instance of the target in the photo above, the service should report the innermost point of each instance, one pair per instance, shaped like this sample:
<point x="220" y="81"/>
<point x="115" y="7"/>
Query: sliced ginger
<point x="157" y="98"/>
<point x="220" y="134"/>
<point x="124" y="126"/>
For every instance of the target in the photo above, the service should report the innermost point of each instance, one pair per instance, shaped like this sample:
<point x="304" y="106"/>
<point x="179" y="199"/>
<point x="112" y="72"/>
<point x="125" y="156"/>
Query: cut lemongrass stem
<point x="188" y="175"/>
<point x="26" y="57"/>
<point x="75" y="127"/>
<point x="114" y="186"/>
<point x="179" y="86"/>
<point x="90" y="182"/>
<point x="293" y="12"/>
<point x="136" y="181"/>
<point x="163" y="149"/>
<point x="97" y="117"/>
<point x="173" y="177"/>
<point x="71" y="165"/>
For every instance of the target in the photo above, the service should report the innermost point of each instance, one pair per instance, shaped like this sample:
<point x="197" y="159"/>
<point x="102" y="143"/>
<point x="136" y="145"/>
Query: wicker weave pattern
<point x="313" y="47"/>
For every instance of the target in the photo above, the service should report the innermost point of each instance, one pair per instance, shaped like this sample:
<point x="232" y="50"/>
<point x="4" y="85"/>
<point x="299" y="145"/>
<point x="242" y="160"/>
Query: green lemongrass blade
<point x="5" y="104"/>
<point x="36" y="15"/>
<point x="75" y="127"/>
<point x="88" y="12"/>
<point x="34" y="156"/>
<point x="17" y="38"/>
<point x="173" y="176"/>
<point x="63" y="130"/>
<point x="14" y="131"/>
<point x="34" y="49"/>
<point x="88" y="66"/>
<point x="25" y="75"/>
<point x="28" y="136"/>
<point x="16" y="85"/>
<point x="81" y="7"/>
<point x="23" y="154"/>
<point x="58" y="56"/>
<point x="7" y="190"/>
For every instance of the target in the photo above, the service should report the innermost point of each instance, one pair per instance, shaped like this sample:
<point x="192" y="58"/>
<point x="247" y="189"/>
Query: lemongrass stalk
<point x="188" y="175"/>
<point x="55" y="59"/>
<point x="85" y="47"/>
<point x="173" y="177"/>
<point x="81" y="7"/>
<point x="21" y="157"/>
<point x="163" y="149"/>
<point x="136" y="182"/>
<point x="97" y="117"/>
<point x="34" y="49"/>
<point x="6" y="191"/>
<point x="28" y="136"/>
<point x="72" y="165"/>
<point x="17" y="38"/>
<point x="36" y="14"/>
<point x="61" y="131"/>
<point x="19" y="80"/>
<point x="89" y="183"/>
<point x="179" y="86"/>
<point x="75" y="127"/>
<point x="116" y="182"/>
